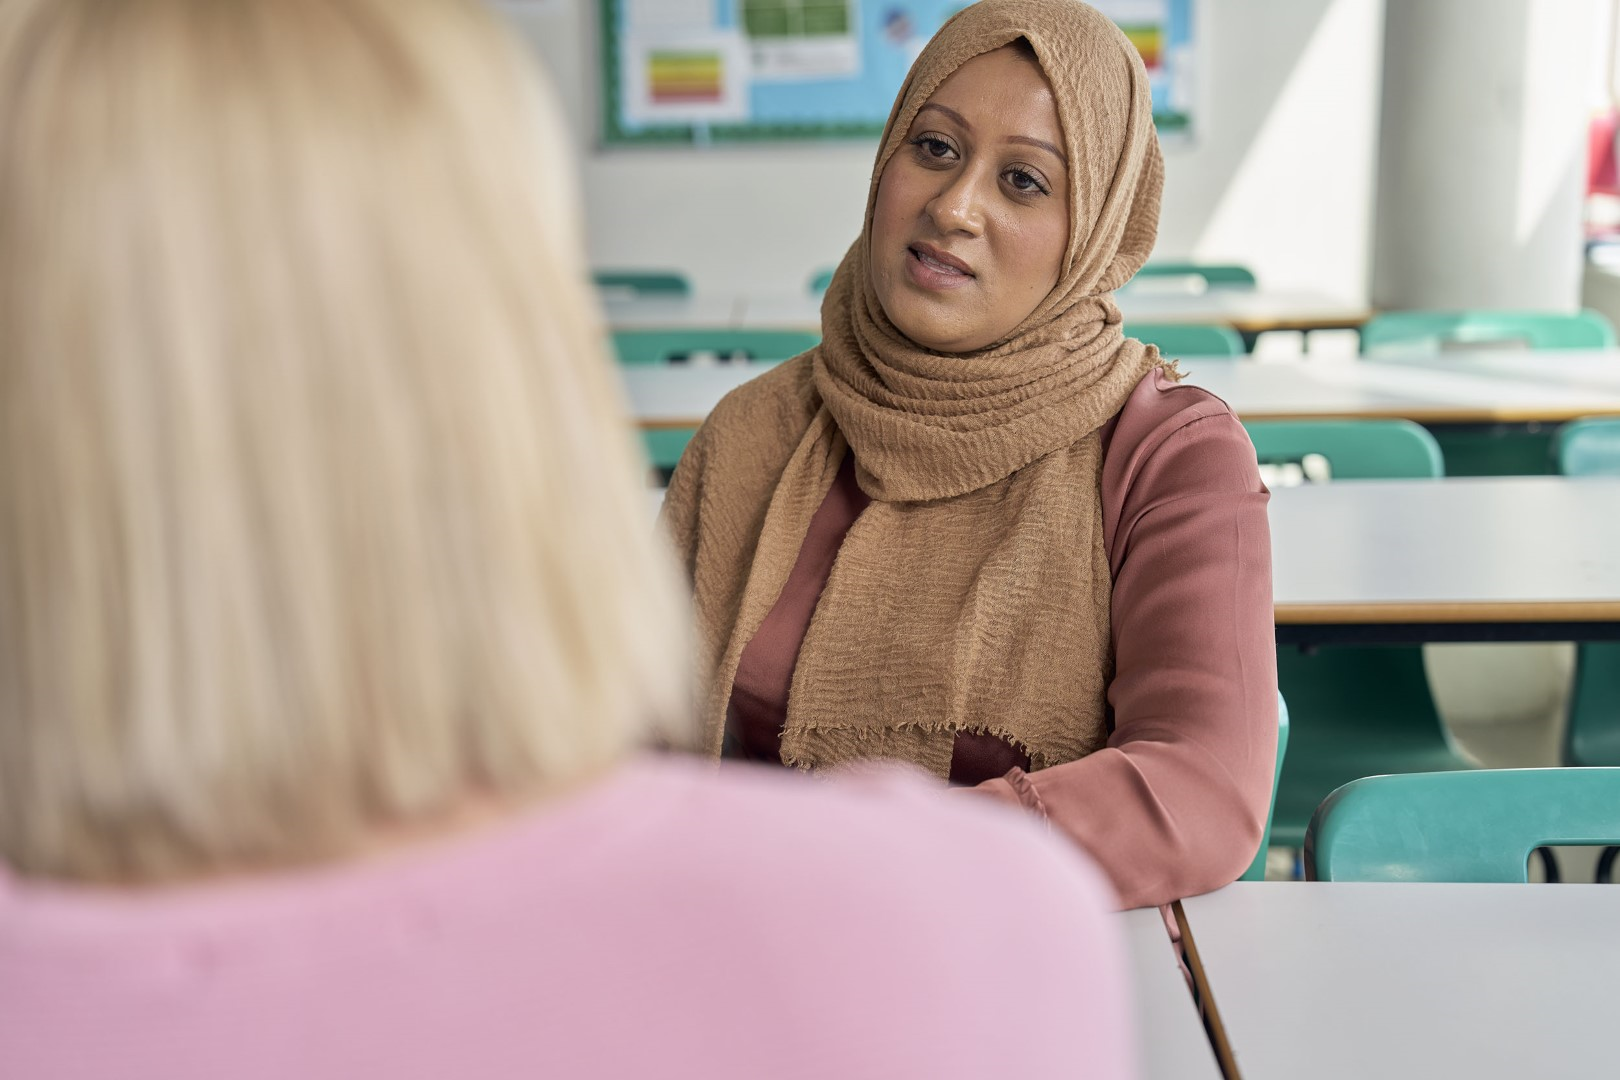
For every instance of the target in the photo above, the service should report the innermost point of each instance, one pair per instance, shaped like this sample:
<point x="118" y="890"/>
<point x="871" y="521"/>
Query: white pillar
<point x="1483" y="152"/>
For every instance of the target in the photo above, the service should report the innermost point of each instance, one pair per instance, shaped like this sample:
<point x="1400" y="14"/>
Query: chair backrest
<point x="1434" y="330"/>
<point x="819" y="281"/>
<point x="664" y="447"/>
<point x="1257" y="868"/>
<point x="1190" y="339"/>
<point x="1214" y="275"/>
<point x="1591" y="447"/>
<point x="640" y="283"/>
<point x="668" y="346"/>
<point x="1478" y="825"/>
<point x="1354" y="449"/>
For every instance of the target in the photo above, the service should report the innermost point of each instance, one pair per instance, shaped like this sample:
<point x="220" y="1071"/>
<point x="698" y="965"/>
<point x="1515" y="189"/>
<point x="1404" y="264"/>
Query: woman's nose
<point x="959" y="207"/>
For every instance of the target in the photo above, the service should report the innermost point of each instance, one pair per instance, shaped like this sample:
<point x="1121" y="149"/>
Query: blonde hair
<point x="318" y="506"/>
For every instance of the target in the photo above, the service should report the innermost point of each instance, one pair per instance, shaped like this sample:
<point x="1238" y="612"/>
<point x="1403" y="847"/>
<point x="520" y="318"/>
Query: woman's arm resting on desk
<point x="1175" y="805"/>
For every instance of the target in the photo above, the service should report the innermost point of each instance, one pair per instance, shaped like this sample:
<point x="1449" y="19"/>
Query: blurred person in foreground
<point x="331" y="620"/>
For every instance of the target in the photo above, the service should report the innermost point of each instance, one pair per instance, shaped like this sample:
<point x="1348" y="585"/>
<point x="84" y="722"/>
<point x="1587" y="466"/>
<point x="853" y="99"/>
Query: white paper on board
<point x="684" y="77"/>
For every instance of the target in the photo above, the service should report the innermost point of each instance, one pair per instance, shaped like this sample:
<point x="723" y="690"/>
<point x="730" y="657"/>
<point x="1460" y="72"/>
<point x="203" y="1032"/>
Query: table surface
<point x="1588" y="369"/>
<point x="1331" y="980"/>
<point x="1427" y="390"/>
<point x="1248" y="310"/>
<point x="1412" y="389"/>
<point x="1171" y="1044"/>
<point x="671" y="313"/>
<point x="1468" y="549"/>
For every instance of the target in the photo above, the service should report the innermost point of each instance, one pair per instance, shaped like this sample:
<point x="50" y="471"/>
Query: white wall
<point x="1279" y="175"/>
<point x="1483" y="152"/>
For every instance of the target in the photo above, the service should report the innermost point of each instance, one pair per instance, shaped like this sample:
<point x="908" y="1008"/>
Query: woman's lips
<point x="929" y="269"/>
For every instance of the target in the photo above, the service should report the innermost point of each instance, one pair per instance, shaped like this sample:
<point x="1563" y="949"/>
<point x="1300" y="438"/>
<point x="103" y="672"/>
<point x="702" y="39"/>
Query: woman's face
<point x="972" y="213"/>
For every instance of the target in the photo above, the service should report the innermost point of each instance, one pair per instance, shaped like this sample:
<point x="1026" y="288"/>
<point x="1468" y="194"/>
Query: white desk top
<point x="1171" y="1044"/>
<point x="671" y="313"/>
<point x="1472" y="549"/>
<point x="1242" y="309"/>
<point x="680" y="396"/>
<point x="1426" y="392"/>
<point x="1591" y="369"/>
<point x="1253" y="310"/>
<point x="1331" y="980"/>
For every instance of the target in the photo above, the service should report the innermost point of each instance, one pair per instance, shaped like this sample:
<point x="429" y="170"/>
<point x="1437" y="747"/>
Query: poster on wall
<point x="697" y="72"/>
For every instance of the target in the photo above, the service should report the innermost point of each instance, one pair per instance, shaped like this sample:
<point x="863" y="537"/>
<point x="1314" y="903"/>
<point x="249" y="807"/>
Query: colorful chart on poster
<point x="695" y="72"/>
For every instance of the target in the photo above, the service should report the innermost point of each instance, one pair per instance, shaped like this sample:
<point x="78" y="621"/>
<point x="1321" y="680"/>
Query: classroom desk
<point x="1334" y="980"/>
<point x="1246" y="311"/>
<point x="1493" y="412"/>
<point x="1521" y="558"/>
<point x="671" y="312"/>
<point x="1404" y="388"/>
<point x="1594" y="369"/>
<point x="681" y="396"/>
<point x="1170" y="1039"/>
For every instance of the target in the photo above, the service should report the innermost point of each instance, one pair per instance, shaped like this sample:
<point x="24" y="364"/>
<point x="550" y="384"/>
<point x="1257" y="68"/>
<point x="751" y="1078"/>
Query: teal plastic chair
<point x="1257" y="868"/>
<point x="1406" y="330"/>
<point x="1592" y="734"/>
<point x="670" y="346"/>
<point x="643" y="283"/>
<point x="820" y="281"/>
<point x="1354" y="449"/>
<point x="1189" y="339"/>
<point x="664" y="447"/>
<point x="1215" y="275"/>
<point x="1455" y="826"/>
<point x="1356" y="710"/>
<point x="1589" y="447"/>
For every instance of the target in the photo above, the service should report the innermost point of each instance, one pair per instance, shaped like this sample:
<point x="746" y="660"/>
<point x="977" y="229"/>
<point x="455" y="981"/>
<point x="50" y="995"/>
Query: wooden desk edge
<point x="1206" y="998"/>
<point x="1530" y="611"/>
<point x="1444" y="414"/>
<point x="669" y="423"/>
<point x="1417" y="416"/>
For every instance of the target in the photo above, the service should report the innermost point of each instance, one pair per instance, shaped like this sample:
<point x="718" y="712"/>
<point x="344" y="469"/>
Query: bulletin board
<point x="698" y="72"/>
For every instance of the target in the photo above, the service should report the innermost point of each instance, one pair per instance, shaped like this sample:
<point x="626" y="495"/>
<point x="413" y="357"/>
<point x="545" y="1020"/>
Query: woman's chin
<point x="931" y="324"/>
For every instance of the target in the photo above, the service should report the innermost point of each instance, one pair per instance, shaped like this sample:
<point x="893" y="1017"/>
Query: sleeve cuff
<point x="1023" y="789"/>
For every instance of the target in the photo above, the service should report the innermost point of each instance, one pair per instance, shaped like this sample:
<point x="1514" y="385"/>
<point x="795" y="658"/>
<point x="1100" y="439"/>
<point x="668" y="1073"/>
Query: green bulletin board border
<point x="614" y="134"/>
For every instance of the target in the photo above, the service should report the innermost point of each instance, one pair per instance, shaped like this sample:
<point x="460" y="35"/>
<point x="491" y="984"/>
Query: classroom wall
<point x="1483" y="152"/>
<point x="1280" y="173"/>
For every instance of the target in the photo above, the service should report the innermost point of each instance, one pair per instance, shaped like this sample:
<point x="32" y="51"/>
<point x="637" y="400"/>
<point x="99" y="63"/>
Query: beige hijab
<point x="973" y="593"/>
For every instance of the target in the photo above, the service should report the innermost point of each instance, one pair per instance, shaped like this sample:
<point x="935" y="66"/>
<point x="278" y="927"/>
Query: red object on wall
<point x="1602" y="174"/>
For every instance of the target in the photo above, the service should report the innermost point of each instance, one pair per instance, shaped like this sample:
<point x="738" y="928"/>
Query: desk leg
<point x="1206" y="999"/>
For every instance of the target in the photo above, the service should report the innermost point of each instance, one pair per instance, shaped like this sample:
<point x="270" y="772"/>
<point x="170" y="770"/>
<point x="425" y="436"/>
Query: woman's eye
<point x="932" y="147"/>
<point x="1027" y="182"/>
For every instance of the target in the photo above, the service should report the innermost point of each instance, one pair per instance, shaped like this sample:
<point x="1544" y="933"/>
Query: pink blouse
<point x="1175" y="805"/>
<point x="665" y="922"/>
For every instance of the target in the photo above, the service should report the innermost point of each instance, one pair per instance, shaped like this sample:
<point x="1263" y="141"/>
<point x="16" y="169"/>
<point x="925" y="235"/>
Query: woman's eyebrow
<point x="948" y="111"/>
<point x="1030" y="140"/>
<point x="1027" y="140"/>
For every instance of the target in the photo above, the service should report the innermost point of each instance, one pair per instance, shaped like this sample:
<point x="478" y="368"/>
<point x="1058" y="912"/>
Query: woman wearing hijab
<point x="330" y="623"/>
<point x="978" y="528"/>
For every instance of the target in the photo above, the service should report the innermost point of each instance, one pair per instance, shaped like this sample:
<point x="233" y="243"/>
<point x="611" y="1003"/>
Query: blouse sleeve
<point x="1175" y="804"/>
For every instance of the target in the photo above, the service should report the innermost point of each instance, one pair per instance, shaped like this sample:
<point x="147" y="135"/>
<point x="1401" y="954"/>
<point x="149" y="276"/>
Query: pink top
<point x="665" y="922"/>
<point x="1175" y="805"/>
